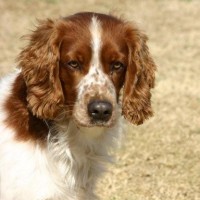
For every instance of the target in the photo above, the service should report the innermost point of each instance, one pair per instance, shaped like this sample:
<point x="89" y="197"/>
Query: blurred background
<point x="159" y="160"/>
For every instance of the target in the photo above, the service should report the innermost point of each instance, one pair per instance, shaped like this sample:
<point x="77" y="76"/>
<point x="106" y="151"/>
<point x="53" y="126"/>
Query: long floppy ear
<point x="140" y="75"/>
<point x="39" y="64"/>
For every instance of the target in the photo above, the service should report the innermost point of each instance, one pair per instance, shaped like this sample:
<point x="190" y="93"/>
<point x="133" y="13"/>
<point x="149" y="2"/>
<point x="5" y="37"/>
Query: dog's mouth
<point x="92" y="123"/>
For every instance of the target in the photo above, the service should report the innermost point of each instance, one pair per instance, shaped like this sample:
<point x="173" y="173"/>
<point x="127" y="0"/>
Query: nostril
<point x="100" y="110"/>
<point x="94" y="112"/>
<point x="107" y="112"/>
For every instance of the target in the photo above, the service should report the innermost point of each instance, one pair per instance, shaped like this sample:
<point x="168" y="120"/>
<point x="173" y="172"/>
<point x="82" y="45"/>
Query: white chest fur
<point x="65" y="169"/>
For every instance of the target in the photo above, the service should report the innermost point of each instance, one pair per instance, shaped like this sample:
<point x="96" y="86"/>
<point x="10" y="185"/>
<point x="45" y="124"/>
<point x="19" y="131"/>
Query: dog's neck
<point x="81" y="152"/>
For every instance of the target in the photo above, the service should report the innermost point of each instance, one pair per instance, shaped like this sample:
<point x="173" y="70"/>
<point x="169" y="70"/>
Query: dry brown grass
<point x="159" y="160"/>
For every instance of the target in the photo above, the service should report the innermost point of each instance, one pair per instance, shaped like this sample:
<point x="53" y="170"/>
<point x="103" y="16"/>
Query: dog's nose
<point x="100" y="110"/>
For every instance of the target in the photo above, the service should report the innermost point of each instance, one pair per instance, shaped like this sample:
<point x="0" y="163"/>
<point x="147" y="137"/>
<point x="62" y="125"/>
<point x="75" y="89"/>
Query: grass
<point x="159" y="160"/>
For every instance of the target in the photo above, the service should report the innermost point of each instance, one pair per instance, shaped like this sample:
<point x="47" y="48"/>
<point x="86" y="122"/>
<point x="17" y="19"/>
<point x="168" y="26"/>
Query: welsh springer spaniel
<point x="60" y="113"/>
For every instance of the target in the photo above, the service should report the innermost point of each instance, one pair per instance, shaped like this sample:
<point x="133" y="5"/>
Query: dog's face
<point x="75" y="67"/>
<point x="92" y="71"/>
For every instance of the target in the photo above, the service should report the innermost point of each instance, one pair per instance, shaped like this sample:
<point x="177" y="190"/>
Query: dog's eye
<point x="73" y="64"/>
<point x="117" y="65"/>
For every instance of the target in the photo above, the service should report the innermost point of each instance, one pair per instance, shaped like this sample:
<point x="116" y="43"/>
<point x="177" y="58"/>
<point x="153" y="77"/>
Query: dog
<point x="61" y="110"/>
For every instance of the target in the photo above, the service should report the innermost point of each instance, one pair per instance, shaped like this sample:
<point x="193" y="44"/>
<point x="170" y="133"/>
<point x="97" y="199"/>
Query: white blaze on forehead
<point x="95" y="65"/>
<point x="95" y="29"/>
<point x="95" y="76"/>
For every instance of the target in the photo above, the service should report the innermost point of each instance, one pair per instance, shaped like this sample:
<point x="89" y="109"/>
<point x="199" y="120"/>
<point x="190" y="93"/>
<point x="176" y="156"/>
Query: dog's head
<point x="75" y="67"/>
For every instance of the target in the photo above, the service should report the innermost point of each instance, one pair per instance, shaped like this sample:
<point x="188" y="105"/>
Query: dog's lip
<point x="94" y="124"/>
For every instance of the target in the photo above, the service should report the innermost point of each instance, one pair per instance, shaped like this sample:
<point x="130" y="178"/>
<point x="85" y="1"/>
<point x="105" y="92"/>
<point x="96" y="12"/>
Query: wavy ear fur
<point x="39" y="64"/>
<point x="140" y="75"/>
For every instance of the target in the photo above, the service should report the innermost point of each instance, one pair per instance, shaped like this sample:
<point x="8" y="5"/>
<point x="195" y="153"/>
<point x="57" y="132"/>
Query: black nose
<point x="100" y="110"/>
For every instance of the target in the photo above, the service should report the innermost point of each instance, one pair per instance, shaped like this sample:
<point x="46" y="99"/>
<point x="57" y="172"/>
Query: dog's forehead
<point x="86" y="24"/>
<point x="85" y="18"/>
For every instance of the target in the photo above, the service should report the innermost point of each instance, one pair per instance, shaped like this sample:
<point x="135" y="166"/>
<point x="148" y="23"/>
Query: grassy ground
<point x="159" y="160"/>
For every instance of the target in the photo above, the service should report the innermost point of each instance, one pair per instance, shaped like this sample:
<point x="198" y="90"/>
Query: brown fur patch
<point x="20" y="118"/>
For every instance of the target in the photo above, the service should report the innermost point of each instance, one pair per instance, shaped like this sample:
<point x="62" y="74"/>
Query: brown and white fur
<point x="52" y="146"/>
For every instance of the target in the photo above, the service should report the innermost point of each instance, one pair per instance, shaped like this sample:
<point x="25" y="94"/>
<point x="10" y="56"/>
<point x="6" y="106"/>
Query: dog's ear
<point x="140" y="75"/>
<point x="39" y="65"/>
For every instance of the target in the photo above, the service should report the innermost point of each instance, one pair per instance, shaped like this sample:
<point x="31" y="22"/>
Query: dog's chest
<point x="27" y="170"/>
